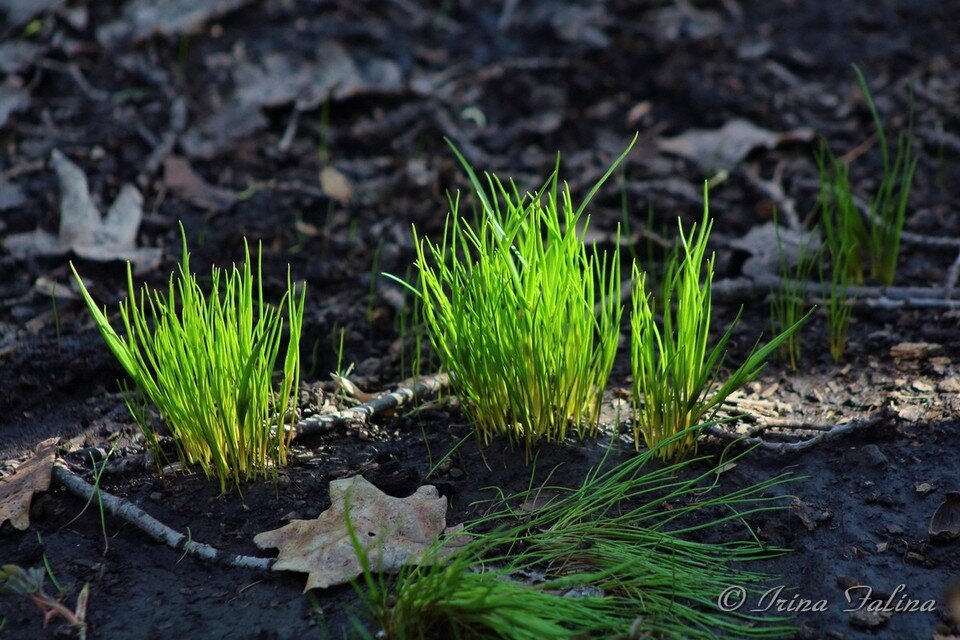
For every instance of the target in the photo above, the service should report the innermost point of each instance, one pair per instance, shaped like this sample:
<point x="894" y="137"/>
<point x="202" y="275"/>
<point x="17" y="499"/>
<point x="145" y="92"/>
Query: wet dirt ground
<point x="317" y="129"/>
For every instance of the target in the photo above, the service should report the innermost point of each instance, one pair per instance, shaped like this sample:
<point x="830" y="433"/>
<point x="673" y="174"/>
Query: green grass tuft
<point x="674" y="371"/>
<point x="206" y="360"/>
<point x="521" y="314"/>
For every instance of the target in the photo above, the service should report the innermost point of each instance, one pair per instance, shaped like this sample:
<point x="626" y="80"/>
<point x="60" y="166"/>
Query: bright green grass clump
<point x="206" y="360"/>
<point x="520" y="313"/>
<point x="675" y="372"/>
<point x="604" y="560"/>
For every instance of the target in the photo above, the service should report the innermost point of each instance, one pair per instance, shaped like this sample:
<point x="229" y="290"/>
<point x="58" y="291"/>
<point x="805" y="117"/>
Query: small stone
<point x="923" y="488"/>
<point x="156" y="496"/>
<point x="456" y="473"/>
<point x="894" y="529"/>
<point x="922" y="386"/>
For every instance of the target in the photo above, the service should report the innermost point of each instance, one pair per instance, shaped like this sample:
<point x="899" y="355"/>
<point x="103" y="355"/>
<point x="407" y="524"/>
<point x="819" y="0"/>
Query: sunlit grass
<point x="520" y="312"/>
<point x="207" y="360"/>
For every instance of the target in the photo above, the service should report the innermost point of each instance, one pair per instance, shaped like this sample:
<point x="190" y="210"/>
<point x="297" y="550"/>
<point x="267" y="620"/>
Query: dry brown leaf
<point x="184" y="182"/>
<point x="721" y="149"/>
<point x="17" y="489"/>
<point x="393" y="531"/>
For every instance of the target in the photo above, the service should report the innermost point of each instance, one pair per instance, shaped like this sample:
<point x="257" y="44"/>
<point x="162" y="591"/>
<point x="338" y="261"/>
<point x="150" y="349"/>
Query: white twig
<point x="388" y="401"/>
<point x="131" y="513"/>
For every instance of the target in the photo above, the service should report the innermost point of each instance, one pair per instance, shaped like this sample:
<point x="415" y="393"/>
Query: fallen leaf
<point x="83" y="230"/>
<point x="281" y="78"/>
<point x="336" y="185"/>
<point x="184" y="182"/>
<point x="945" y="523"/>
<point x="393" y="531"/>
<point x="760" y="242"/>
<point x="17" y="489"/>
<point x="145" y="18"/>
<point x="721" y="149"/>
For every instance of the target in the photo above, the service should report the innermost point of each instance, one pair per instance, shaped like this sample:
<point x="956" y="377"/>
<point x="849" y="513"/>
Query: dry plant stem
<point x="395" y="399"/>
<point x="129" y="512"/>
<point x="827" y="434"/>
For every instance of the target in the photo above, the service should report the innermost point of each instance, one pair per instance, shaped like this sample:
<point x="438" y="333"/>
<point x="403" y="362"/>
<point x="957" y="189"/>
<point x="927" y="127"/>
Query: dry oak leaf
<point x="17" y="489"/>
<point x="393" y="531"/>
<point x="723" y="148"/>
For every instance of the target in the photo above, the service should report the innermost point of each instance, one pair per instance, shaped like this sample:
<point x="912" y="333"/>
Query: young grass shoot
<point x="675" y="373"/>
<point x="520" y="313"/>
<point x="888" y="208"/>
<point x="206" y="360"/>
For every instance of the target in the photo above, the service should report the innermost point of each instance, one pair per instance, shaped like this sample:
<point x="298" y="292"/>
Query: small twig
<point x="361" y="413"/>
<point x="827" y="435"/>
<point x="131" y="513"/>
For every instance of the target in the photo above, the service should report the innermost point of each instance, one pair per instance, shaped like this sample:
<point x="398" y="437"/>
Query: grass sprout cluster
<point x="206" y="360"/>
<point x="520" y="312"/>
<point x="676" y="374"/>
<point x="603" y="560"/>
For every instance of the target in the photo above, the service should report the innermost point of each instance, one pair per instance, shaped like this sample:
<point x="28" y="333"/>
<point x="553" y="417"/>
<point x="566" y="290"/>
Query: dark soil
<point x="511" y="87"/>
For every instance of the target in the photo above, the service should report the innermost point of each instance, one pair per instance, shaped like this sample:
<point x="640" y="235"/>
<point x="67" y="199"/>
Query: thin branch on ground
<point x="132" y="514"/>
<point x="827" y="434"/>
<point x="874" y="297"/>
<point x="399" y="397"/>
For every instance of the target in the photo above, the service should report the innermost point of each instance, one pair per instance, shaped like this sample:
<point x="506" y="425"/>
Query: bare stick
<point x="387" y="402"/>
<point x="131" y="513"/>
<point x="881" y="297"/>
<point x="831" y="433"/>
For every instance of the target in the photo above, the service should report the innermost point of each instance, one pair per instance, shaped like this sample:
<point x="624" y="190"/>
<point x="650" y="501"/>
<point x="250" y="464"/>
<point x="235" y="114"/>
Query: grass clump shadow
<point x="520" y="313"/>
<point x="612" y="558"/>
<point x="206" y="360"/>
